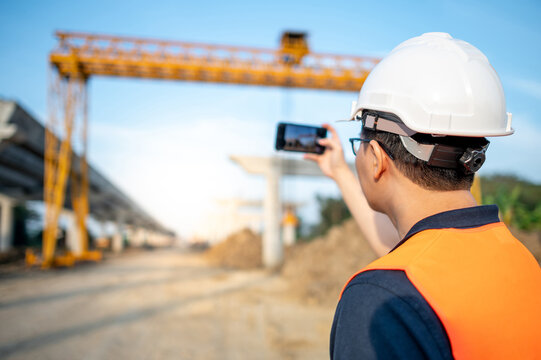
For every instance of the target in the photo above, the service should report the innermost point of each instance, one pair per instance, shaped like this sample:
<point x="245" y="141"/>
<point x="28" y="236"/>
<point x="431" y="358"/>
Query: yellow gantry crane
<point x="79" y="56"/>
<point x="292" y="65"/>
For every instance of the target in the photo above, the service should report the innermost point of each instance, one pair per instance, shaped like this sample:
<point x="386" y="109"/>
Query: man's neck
<point x="424" y="203"/>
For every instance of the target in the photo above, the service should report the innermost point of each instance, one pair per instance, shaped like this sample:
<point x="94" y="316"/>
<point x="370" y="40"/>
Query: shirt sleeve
<point x="376" y="322"/>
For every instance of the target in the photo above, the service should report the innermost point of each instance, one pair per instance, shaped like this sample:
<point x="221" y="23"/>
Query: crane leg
<point x="67" y="99"/>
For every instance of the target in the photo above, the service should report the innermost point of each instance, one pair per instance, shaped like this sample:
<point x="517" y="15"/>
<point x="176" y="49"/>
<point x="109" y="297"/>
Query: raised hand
<point x="332" y="161"/>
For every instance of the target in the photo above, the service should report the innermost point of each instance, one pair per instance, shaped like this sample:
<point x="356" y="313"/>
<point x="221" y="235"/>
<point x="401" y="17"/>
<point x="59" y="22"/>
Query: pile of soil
<point x="240" y="250"/>
<point x="318" y="270"/>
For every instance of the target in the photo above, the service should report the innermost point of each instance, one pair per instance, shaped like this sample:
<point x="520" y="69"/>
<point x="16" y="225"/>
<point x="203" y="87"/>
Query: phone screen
<point x="301" y="138"/>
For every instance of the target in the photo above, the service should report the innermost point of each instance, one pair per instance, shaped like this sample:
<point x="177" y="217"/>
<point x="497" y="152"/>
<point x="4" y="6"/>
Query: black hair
<point x="418" y="171"/>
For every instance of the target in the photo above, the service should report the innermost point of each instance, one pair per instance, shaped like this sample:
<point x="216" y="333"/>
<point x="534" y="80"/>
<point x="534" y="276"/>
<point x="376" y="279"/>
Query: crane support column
<point x="67" y="106"/>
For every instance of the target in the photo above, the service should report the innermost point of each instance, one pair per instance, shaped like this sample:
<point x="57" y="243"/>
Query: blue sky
<point x="167" y="143"/>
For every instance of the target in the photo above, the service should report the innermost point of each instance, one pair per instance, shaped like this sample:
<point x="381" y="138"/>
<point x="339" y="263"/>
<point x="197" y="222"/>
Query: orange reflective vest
<point x="482" y="283"/>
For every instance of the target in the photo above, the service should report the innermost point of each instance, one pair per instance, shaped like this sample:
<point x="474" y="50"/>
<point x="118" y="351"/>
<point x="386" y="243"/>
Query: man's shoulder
<point x="387" y="283"/>
<point x="381" y="311"/>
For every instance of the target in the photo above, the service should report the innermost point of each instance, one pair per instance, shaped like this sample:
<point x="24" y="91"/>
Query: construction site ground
<point x="181" y="304"/>
<point x="160" y="304"/>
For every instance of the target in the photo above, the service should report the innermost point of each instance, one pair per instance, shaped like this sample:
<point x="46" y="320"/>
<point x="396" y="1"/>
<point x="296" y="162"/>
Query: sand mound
<point x="241" y="250"/>
<point x="318" y="270"/>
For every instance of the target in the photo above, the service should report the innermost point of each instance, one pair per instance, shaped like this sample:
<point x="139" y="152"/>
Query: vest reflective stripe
<point x="483" y="284"/>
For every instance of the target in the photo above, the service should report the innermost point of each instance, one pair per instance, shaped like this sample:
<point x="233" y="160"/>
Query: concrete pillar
<point x="118" y="237"/>
<point x="138" y="237"/>
<point x="129" y="233"/>
<point x="289" y="230"/>
<point x="102" y="241"/>
<point x="273" y="251"/>
<point x="289" y="234"/>
<point x="6" y="223"/>
<point x="152" y="238"/>
<point x="103" y="229"/>
<point x="73" y="234"/>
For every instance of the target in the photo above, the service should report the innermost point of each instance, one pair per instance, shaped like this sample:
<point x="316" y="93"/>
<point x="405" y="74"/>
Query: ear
<point x="380" y="161"/>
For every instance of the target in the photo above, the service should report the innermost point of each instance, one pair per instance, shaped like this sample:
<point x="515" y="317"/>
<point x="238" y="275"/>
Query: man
<point x="456" y="283"/>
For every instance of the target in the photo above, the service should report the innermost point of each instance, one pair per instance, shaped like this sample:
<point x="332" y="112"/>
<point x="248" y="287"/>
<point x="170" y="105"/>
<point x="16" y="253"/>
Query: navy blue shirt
<point x="381" y="315"/>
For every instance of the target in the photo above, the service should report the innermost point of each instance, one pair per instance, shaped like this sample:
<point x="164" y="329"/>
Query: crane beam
<point x="85" y="55"/>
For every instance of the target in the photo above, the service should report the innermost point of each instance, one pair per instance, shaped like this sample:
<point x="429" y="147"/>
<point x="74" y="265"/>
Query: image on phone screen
<point x="301" y="138"/>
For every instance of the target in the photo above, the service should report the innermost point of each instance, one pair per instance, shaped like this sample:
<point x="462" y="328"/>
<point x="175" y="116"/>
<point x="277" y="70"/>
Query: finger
<point x="331" y="143"/>
<point x="332" y="130"/>
<point x="325" y="142"/>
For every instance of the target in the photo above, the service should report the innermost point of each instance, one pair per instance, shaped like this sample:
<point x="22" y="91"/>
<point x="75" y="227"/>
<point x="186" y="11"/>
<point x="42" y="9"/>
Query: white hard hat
<point x="438" y="85"/>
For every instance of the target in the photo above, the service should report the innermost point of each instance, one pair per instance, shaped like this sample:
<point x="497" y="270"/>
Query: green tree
<point x="519" y="200"/>
<point x="332" y="211"/>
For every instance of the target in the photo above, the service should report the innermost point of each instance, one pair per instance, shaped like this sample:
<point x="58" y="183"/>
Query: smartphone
<point x="300" y="138"/>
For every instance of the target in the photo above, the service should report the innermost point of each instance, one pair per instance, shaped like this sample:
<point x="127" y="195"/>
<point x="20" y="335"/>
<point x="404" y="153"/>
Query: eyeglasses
<point x="356" y="143"/>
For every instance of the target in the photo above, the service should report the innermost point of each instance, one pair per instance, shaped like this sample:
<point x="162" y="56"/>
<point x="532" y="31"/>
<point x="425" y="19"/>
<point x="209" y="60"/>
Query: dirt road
<point x="163" y="304"/>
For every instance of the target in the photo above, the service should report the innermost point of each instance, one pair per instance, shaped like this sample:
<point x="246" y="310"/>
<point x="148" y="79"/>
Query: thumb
<point x="326" y="142"/>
